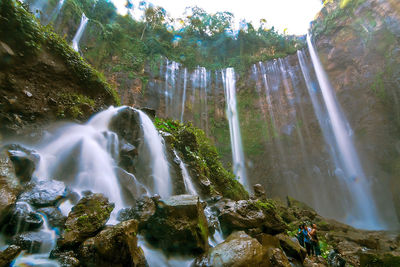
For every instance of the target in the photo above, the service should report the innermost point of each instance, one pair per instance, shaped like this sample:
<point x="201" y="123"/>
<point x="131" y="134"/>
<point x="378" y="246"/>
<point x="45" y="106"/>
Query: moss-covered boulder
<point x="178" y="226"/>
<point x="86" y="219"/>
<point x="251" y="216"/>
<point x="114" y="246"/>
<point x="203" y="160"/>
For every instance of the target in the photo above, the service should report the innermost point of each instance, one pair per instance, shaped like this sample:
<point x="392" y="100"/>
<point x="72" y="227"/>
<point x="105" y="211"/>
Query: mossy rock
<point x="86" y="219"/>
<point x="203" y="159"/>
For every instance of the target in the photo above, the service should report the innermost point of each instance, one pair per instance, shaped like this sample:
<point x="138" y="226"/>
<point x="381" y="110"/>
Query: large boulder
<point x="292" y="247"/>
<point x="239" y="249"/>
<point x="114" y="246"/>
<point x="86" y="219"/>
<point x="8" y="255"/>
<point x="178" y="225"/>
<point x="45" y="193"/>
<point x="258" y="216"/>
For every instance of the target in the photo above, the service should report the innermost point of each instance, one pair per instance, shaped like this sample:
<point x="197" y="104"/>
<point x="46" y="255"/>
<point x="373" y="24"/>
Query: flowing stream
<point x="79" y="32"/>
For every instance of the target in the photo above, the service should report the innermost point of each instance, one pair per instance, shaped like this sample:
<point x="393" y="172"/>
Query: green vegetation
<point x="329" y="22"/>
<point x="198" y="38"/>
<point x="21" y="31"/>
<point x="202" y="157"/>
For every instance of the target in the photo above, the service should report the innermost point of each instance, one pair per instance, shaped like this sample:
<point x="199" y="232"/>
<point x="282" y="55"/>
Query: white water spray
<point x="81" y="156"/>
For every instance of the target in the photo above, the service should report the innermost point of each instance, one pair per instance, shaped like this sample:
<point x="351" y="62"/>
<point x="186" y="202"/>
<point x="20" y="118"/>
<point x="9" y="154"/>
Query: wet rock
<point x="65" y="258"/>
<point x="45" y="193"/>
<point x="8" y="255"/>
<point x="33" y="241"/>
<point x="132" y="189"/>
<point x="249" y="214"/>
<point x="54" y="216"/>
<point x="292" y="247"/>
<point x="259" y="192"/>
<point x="178" y="225"/>
<point x="277" y="258"/>
<point x="86" y="219"/>
<point x="23" y="218"/>
<point x="24" y="161"/>
<point x="126" y="124"/>
<point x="335" y="260"/>
<point x="239" y="249"/>
<point x="114" y="246"/>
<point x="150" y="112"/>
<point x="142" y="211"/>
<point x="9" y="186"/>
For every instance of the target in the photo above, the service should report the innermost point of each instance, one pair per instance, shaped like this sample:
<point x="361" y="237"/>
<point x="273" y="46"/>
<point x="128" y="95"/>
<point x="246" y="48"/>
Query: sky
<point x="293" y="15"/>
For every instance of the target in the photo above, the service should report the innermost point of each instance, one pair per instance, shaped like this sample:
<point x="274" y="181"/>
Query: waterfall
<point x="79" y="33"/>
<point x="189" y="186"/>
<point x="238" y="160"/>
<point x="81" y="156"/>
<point x="158" y="158"/>
<point x="363" y="211"/>
<point x="184" y="93"/>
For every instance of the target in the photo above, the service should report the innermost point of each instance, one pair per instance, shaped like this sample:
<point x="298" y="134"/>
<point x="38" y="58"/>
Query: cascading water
<point x="363" y="211"/>
<point x="189" y="186"/>
<point x="239" y="168"/>
<point x="48" y="238"/>
<point x="156" y="150"/>
<point x="79" y="32"/>
<point x="82" y="156"/>
<point x="184" y="93"/>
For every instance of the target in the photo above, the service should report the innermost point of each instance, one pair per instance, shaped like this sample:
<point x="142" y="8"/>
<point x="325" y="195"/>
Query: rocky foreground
<point x="257" y="231"/>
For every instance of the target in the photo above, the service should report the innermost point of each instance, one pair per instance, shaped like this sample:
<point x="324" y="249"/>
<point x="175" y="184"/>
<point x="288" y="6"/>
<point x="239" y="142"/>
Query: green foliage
<point x="330" y="21"/>
<point x="19" y="28"/>
<point x="202" y="39"/>
<point x="202" y="157"/>
<point x="21" y="31"/>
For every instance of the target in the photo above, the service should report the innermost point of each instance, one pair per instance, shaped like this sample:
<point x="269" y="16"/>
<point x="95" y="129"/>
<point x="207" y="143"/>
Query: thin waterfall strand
<point x="79" y="32"/>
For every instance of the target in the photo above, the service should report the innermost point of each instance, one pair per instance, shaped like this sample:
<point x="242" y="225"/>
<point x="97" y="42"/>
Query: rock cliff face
<point x="284" y="145"/>
<point x="359" y="47"/>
